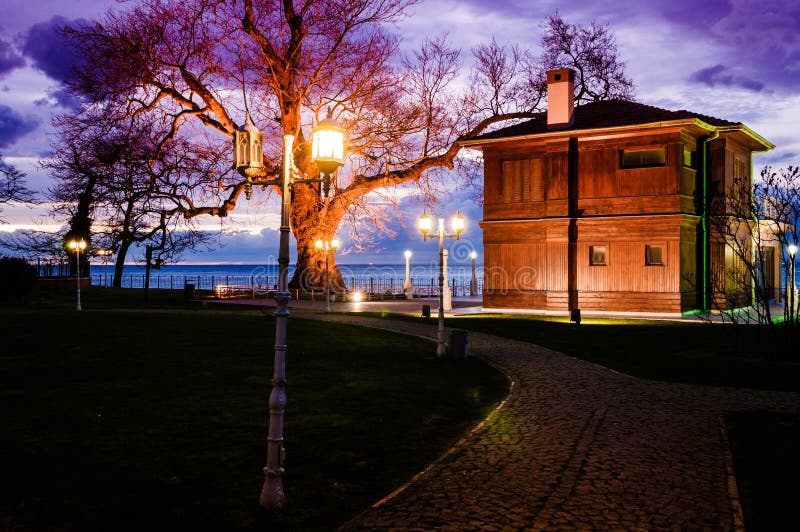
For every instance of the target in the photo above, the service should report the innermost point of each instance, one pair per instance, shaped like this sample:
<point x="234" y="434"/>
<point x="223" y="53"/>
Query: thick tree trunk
<point x="312" y="221"/>
<point x="120" y="263"/>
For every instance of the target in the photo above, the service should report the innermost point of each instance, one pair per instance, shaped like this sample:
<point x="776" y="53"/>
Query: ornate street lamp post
<point x="77" y="246"/>
<point x="328" y="154"/>
<point x="425" y="226"/>
<point x="327" y="246"/>
<point x="407" y="283"/>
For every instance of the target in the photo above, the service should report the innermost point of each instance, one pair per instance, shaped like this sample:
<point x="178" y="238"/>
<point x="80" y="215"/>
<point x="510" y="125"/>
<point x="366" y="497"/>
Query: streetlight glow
<point x="473" y="255"/>
<point x="77" y="245"/>
<point x="792" y="249"/>
<point x="327" y="145"/>
<point x="459" y="223"/>
<point x="425" y="224"/>
<point x="407" y="254"/>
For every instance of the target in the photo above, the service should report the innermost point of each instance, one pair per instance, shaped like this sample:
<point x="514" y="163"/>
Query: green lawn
<point x="697" y="353"/>
<point x="155" y="417"/>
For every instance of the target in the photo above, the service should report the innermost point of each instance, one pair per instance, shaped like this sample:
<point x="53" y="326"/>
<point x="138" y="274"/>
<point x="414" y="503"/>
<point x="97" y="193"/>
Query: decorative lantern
<point x="425" y="224"/>
<point x="327" y="145"/>
<point x="248" y="154"/>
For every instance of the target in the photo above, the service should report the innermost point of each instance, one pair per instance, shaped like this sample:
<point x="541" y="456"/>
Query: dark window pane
<point x="643" y="158"/>
<point x="597" y="255"/>
<point x="653" y="255"/>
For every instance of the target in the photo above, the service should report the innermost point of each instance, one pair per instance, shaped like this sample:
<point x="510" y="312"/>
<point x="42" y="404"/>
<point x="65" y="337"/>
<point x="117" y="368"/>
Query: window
<point x="642" y="158"/>
<point x="654" y="255"/>
<point x="521" y="181"/>
<point x="597" y="255"/>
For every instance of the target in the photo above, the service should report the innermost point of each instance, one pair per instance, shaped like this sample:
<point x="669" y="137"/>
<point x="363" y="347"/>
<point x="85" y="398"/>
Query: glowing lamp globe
<point x="327" y="146"/>
<point x="425" y="224"/>
<point x="459" y="223"/>
<point x="77" y="245"/>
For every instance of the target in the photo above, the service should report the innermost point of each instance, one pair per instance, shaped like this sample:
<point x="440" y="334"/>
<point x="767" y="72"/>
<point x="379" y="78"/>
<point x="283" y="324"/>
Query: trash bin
<point x="188" y="291"/>
<point x="426" y="311"/>
<point x="458" y="344"/>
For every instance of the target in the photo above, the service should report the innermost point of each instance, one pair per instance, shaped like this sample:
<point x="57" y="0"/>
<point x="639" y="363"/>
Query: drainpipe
<point x="704" y="170"/>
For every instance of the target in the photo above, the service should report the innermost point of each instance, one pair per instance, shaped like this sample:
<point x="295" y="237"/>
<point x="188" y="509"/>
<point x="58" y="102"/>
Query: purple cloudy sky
<point x="734" y="59"/>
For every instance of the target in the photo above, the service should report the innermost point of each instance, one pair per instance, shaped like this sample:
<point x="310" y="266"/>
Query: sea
<point x="373" y="277"/>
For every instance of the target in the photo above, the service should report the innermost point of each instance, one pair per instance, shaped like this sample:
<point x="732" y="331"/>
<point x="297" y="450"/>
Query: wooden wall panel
<point x="555" y="175"/>
<point x="533" y="266"/>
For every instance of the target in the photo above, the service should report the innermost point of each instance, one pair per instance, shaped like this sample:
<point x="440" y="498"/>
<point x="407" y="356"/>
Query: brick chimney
<point x="560" y="98"/>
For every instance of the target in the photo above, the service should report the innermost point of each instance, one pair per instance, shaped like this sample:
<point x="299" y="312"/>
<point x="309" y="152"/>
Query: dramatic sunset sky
<point x="733" y="59"/>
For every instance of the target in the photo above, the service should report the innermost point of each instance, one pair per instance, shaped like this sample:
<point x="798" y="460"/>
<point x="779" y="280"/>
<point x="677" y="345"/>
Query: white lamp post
<point x="792" y="249"/>
<point x="473" y="282"/>
<point x="77" y="246"/>
<point x="425" y="226"/>
<point x="328" y="154"/>
<point x="407" y="283"/>
<point x="105" y="253"/>
<point x="327" y="246"/>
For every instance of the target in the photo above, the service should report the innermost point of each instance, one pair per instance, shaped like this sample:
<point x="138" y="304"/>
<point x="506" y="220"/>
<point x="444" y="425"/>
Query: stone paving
<point x="576" y="447"/>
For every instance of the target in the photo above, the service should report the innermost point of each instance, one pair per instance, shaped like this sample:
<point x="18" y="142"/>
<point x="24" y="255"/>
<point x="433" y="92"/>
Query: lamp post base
<point x="272" y="496"/>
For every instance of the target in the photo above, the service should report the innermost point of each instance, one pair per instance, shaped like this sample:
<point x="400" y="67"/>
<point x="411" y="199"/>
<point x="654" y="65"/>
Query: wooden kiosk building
<point x="605" y="207"/>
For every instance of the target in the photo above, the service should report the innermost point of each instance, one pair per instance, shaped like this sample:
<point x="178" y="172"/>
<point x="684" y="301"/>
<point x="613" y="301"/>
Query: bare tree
<point x="186" y="66"/>
<point x="752" y="227"/>
<point x="111" y="171"/>
<point x="778" y="196"/>
<point x="589" y="50"/>
<point x="12" y="185"/>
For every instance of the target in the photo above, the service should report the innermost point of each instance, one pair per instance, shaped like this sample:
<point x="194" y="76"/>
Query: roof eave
<point x="683" y="122"/>
<point x="755" y="137"/>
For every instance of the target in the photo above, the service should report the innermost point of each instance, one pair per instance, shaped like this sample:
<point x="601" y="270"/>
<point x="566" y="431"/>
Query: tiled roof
<point x="608" y="113"/>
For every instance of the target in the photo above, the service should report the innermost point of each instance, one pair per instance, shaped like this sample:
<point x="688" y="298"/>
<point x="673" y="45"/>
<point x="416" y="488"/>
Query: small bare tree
<point x="752" y="227"/>
<point x="111" y="171"/>
<point x="779" y="195"/>
<point x="12" y="185"/>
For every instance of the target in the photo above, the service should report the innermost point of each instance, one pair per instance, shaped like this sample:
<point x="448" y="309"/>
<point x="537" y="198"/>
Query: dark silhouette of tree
<point x="185" y="66"/>
<point x="12" y="184"/>
<point x="589" y="50"/>
<point x="115" y="174"/>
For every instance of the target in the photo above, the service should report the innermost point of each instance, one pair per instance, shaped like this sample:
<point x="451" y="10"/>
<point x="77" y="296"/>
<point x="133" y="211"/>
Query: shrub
<point x="17" y="277"/>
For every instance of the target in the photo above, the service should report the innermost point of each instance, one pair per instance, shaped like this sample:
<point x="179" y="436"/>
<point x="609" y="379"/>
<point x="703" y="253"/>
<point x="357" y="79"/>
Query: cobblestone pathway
<point x="577" y="447"/>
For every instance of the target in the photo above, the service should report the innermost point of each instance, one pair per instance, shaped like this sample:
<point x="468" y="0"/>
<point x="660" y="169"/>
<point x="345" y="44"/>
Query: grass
<point x="129" y="417"/>
<point x="670" y="351"/>
<point x="764" y="447"/>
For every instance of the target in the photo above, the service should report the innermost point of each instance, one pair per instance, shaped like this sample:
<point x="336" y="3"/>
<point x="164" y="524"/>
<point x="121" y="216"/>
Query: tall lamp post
<point x="792" y="249"/>
<point x="77" y="246"/>
<point x="473" y="282"/>
<point x="327" y="246"/>
<point x="327" y="152"/>
<point x="425" y="226"/>
<point x="105" y="253"/>
<point x="407" y="283"/>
